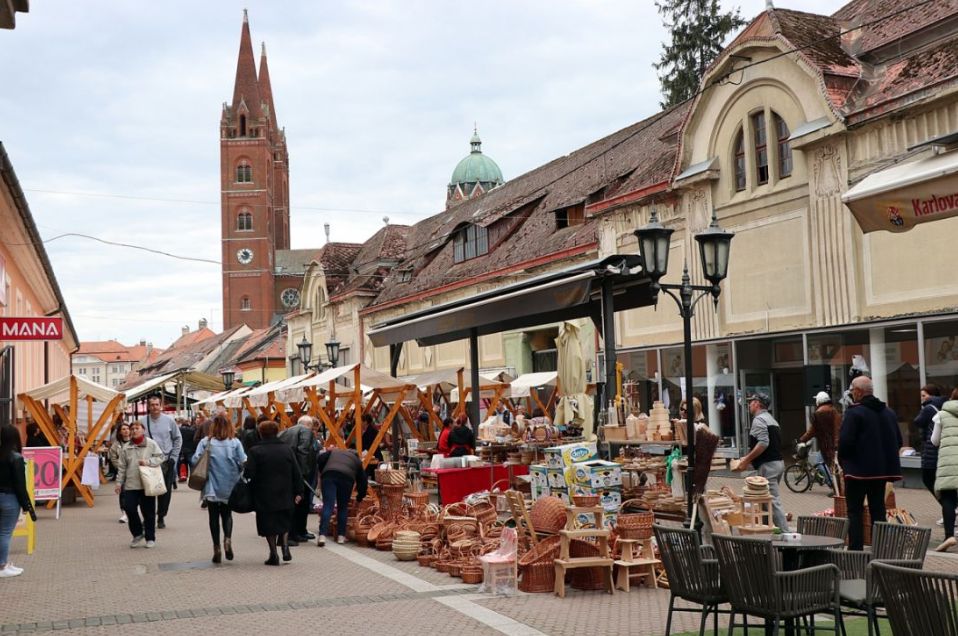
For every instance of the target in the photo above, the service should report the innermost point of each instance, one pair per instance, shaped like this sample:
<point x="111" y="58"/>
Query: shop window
<point x="244" y="173"/>
<point x="244" y="222"/>
<point x="740" y="161"/>
<point x="784" y="148"/>
<point x="761" y="148"/>
<point x="470" y="242"/>
<point x="640" y="379"/>
<point x="941" y="355"/>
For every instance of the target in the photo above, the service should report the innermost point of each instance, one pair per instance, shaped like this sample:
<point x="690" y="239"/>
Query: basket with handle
<point x="484" y="512"/>
<point x="548" y="514"/>
<point x="536" y="566"/>
<point x="633" y="523"/>
<point x="390" y="477"/>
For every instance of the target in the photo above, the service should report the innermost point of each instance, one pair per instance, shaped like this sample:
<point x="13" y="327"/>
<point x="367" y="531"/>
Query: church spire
<point x="265" y="90"/>
<point x="246" y="87"/>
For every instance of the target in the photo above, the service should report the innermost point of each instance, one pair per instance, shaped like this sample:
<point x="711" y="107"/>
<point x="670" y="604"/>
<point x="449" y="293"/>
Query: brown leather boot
<point x="217" y="556"/>
<point x="228" y="548"/>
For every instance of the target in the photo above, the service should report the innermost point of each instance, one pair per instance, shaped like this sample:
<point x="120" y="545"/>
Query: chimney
<point x="185" y="329"/>
<point x="203" y="323"/>
<point x="326" y="229"/>
<point x="142" y="342"/>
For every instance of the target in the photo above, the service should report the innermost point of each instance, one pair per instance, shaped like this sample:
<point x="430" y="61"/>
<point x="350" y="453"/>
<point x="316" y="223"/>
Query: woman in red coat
<point x="443" y="445"/>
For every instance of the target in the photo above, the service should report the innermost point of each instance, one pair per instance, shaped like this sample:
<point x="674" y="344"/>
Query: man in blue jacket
<point x="868" y="448"/>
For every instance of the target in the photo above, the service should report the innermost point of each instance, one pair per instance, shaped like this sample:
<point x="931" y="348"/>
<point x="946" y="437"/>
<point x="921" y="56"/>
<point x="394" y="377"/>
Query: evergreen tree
<point x="698" y="29"/>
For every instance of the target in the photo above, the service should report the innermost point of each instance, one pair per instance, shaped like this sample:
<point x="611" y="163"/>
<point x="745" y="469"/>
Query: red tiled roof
<point x="113" y="351"/>
<point x="900" y="24"/>
<point x="335" y="259"/>
<point x="375" y="260"/>
<point x="191" y="338"/>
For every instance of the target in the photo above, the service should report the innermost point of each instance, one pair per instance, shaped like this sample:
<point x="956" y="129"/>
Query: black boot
<point x="273" y="557"/>
<point x="286" y="554"/>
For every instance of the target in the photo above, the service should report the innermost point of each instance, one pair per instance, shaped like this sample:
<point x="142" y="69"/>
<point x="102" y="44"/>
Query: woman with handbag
<point x="135" y="458"/>
<point x="13" y="495"/>
<point x="224" y="457"/>
<point x="276" y="486"/>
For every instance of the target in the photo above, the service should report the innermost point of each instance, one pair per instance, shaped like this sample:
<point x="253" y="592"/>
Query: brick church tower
<point x="254" y="185"/>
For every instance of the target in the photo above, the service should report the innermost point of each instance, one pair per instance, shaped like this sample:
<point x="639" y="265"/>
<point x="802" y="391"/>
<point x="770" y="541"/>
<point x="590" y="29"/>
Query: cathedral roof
<point x="265" y="89"/>
<point x="476" y="167"/>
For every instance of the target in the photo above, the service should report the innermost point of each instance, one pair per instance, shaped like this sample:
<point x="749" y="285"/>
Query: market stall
<point x="76" y="401"/>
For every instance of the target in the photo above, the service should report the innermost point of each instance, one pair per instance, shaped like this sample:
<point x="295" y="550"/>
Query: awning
<point x="61" y="389"/>
<point x="194" y="379"/>
<point x="899" y="198"/>
<point x="564" y="295"/>
<point x="258" y="396"/>
<point x="369" y="379"/>
<point x="522" y="386"/>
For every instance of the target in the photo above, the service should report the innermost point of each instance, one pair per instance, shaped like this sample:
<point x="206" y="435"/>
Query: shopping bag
<point x="153" y="483"/>
<point x="241" y="498"/>
<point x="200" y="472"/>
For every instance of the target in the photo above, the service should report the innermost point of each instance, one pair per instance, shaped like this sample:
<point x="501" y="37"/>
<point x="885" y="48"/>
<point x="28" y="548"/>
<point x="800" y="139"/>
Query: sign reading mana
<point x="31" y="328"/>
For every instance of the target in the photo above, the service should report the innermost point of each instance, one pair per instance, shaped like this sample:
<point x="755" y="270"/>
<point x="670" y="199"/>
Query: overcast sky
<point x="378" y="99"/>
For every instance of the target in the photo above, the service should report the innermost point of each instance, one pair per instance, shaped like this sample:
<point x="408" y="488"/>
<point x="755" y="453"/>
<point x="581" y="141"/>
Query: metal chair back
<point x="918" y="602"/>
<point x="836" y="527"/>
<point x="895" y="541"/>
<point x="690" y="576"/>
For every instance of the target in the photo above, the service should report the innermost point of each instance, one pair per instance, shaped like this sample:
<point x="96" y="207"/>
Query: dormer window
<point x="572" y="215"/>
<point x="784" y="148"/>
<point x="761" y="148"/>
<point x="740" y="161"/>
<point x="470" y="242"/>
<point x="405" y="275"/>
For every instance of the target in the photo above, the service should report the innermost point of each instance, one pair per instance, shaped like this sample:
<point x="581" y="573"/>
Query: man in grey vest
<point x="163" y="430"/>
<point x="765" y="439"/>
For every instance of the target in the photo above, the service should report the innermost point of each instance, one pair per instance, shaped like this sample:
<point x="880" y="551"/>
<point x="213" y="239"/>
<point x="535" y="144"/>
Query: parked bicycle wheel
<point x="797" y="478"/>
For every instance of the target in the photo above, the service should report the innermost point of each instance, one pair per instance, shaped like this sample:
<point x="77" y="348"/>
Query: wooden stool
<point x="757" y="511"/>
<point x="599" y="534"/>
<point x="645" y="568"/>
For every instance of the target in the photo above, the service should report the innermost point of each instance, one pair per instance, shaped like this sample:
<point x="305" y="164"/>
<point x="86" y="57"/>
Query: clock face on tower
<point x="245" y="256"/>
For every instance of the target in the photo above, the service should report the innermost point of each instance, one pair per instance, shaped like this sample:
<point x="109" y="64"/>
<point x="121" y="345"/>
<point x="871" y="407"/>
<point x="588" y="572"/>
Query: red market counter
<point x="457" y="483"/>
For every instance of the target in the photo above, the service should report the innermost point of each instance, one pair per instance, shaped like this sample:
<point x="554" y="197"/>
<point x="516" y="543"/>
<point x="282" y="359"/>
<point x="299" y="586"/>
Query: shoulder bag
<point x="152" y="478"/>
<point x="241" y="498"/>
<point x="201" y="472"/>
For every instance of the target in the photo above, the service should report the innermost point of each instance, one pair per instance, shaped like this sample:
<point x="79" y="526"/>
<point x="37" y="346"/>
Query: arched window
<point x="761" y="147"/>
<point x="242" y="130"/>
<point x="244" y="222"/>
<point x="319" y="309"/>
<point x="784" y="148"/>
<point x="246" y="304"/>
<point x="740" y="161"/>
<point x="244" y="172"/>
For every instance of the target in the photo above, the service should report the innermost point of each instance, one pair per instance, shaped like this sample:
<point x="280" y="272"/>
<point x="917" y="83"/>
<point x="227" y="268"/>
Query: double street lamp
<point x="714" y="243"/>
<point x="306" y="352"/>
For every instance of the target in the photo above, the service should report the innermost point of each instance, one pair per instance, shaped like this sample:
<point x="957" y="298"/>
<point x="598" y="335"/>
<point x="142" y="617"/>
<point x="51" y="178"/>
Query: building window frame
<point x="244" y="221"/>
<point x="470" y="242"/>
<point x="783" y="147"/>
<point x="246" y="304"/>
<point x="244" y="172"/>
<point x="760" y="146"/>
<point x="738" y="160"/>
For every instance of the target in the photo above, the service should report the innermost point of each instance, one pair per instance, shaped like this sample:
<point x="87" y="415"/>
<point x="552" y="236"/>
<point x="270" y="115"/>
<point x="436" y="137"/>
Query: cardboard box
<point x="555" y="478"/>
<point x="540" y="491"/>
<point x="597" y="474"/>
<point x="615" y="433"/>
<point x="568" y="454"/>
<point x="562" y="494"/>
<point x="609" y="498"/>
<point x="538" y="475"/>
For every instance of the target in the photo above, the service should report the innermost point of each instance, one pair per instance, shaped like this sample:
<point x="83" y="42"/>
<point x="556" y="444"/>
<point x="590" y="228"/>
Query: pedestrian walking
<point x="931" y="403"/>
<point x="301" y="440"/>
<point x="250" y="436"/>
<point x="868" y="453"/>
<point x="13" y="495"/>
<point x="163" y="430"/>
<point x="276" y="486"/>
<point x="187" y="434"/>
<point x="224" y="469"/>
<point x="765" y="440"/>
<point x="121" y="439"/>
<point x="141" y="451"/>
<point x="340" y="469"/>
<point x="944" y="437"/>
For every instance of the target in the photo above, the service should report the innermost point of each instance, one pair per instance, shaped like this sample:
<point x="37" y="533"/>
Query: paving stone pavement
<point x="84" y="579"/>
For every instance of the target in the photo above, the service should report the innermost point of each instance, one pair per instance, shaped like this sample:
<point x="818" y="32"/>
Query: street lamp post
<point x="714" y="243"/>
<point x="228" y="376"/>
<point x="305" y="352"/>
<point x="332" y="352"/>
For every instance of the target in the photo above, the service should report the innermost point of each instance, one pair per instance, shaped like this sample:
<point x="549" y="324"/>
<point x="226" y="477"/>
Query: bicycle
<point x="802" y="475"/>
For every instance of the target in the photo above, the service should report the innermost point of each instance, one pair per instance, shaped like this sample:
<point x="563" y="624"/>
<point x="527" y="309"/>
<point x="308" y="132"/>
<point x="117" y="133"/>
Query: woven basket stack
<point x="405" y="545"/>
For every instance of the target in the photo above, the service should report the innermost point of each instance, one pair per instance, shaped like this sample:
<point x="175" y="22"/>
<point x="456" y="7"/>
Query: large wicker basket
<point x="548" y="514"/>
<point x="390" y="476"/>
<point x="537" y="566"/>
<point x="586" y="578"/>
<point x="633" y="523"/>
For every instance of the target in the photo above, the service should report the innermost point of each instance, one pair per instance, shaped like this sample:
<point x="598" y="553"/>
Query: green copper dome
<point x="476" y="168"/>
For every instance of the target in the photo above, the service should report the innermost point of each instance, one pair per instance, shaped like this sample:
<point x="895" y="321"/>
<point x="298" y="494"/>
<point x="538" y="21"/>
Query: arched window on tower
<point x="244" y="172"/>
<point x="784" y="148"/>
<point x="246" y="304"/>
<point x="244" y="222"/>
<point x="740" y="161"/>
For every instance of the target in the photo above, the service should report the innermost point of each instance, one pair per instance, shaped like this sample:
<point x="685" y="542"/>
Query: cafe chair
<point x="918" y="602"/>
<point x="904" y="546"/>
<point x="693" y="574"/>
<point x="835" y="527"/>
<point x="756" y="585"/>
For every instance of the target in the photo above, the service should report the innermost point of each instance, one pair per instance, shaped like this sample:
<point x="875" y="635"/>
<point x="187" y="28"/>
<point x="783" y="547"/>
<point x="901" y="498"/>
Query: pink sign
<point x="48" y="471"/>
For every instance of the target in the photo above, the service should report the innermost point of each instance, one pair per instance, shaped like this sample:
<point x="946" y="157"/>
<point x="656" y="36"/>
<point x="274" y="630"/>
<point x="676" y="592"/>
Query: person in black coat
<point x="931" y="402"/>
<point x="276" y="487"/>
<point x="868" y="453"/>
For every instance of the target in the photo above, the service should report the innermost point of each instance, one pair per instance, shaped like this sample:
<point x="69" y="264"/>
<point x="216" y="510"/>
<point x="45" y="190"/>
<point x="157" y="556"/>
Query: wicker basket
<point x="390" y="476"/>
<point x="548" y="515"/>
<point x="472" y="576"/>
<point x="417" y="499"/>
<point x="634" y="525"/>
<point x="586" y="578"/>
<point x="484" y="512"/>
<point x="586" y="501"/>
<point x="543" y="552"/>
<point x="537" y="566"/>
<point x="425" y="560"/>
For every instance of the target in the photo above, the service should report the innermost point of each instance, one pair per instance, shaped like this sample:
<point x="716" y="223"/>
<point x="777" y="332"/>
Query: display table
<point x="456" y="483"/>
